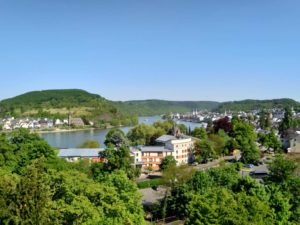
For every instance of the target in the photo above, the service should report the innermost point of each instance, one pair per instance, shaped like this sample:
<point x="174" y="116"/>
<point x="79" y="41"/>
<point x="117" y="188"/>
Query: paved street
<point x="151" y="196"/>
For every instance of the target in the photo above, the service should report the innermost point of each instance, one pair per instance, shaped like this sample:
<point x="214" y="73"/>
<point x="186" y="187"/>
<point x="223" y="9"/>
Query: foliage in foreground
<point x="222" y="196"/>
<point x="36" y="187"/>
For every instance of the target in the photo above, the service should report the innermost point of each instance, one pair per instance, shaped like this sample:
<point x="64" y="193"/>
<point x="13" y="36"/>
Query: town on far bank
<point x="10" y="123"/>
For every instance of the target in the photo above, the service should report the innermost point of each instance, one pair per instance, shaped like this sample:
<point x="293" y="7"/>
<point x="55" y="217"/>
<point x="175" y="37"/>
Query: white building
<point x="151" y="156"/>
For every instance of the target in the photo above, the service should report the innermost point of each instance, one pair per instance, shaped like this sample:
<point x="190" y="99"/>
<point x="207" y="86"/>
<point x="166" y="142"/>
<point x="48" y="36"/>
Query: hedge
<point x="149" y="183"/>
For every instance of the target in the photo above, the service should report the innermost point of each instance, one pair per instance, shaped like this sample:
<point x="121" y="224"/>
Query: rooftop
<point x="165" y="138"/>
<point x="154" y="149"/>
<point x="79" y="152"/>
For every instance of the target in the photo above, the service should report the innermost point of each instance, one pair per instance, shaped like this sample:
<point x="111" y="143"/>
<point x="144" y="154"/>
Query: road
<point x="260" y="168"/>
<point x="150" y="196"/>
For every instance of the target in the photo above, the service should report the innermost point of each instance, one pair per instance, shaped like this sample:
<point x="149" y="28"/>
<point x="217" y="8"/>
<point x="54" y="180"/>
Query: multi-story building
<point x="179" y="147"/>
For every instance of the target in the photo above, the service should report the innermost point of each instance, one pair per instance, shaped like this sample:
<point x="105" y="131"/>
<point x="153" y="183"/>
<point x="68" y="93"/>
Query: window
<point x="137" y="154"/>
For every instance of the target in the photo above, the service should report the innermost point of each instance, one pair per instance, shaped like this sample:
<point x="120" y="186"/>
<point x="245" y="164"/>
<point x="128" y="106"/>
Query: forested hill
<point x="58" y="103"/>
<point x="158" y="107"/>
<point x="248" y="105"/>
<point x="54" y="98"/>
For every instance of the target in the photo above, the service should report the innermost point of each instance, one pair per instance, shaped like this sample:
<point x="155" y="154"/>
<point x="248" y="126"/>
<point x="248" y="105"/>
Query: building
<point x="75" y="154"/>
<point x="291" y="140"/>
<point x="78" y="122"/>
<point x="179" y="147"/>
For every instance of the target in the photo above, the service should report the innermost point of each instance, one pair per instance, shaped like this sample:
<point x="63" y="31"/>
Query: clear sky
<point x="166" y="49"/>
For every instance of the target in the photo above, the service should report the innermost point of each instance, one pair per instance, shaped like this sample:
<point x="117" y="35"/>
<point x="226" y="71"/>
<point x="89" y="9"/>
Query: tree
<point x="167" y="162"/>
<point x="177" y="175"/>
<point x="292" y="188"/>
<point x="81" y="200"/>
<point x="8" y="184"/>
<point x="270" y="140"/>
<point x="281" y="169"/>
<point x="199" y="132"/>
<point x="117" y="158"/>
<point x="166" y="125"/>
<point x="33" y="196"/>
<point x="224" y="124"/>
<point x="244" y="137"/>
<point x="204" y="150"/>
<point x="89" y="144"/>
<point x="221" y="206"/>
<point x="250" y="153"/>
<point x="287" y="121"/>
<point x="183" y="129"/>
<point x="145" y="134"/>
<point x="7" y="156"/>
<point x="219" y="143"/>
<point x="20" y="147"/>
<point x="279" y="202"/>
<point x="116" y="137"/>
<point x="264" y="120"/>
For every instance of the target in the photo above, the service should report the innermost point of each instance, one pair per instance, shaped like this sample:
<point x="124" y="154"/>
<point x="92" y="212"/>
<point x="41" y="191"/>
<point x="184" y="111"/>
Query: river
<point x="74" y="138"/>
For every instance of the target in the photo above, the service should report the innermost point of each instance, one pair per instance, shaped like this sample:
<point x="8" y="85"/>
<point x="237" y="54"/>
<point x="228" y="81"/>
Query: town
<point x="11" y="123"/>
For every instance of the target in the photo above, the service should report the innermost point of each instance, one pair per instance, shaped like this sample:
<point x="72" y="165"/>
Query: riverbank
<point x="63" y="130"/>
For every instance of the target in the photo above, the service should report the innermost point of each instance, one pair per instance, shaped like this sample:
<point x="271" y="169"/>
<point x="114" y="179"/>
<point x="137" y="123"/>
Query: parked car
<point x="249" y="166"/>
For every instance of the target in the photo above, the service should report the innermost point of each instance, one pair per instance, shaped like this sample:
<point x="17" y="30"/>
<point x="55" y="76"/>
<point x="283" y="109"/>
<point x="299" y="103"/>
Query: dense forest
<point x="248" y="105"/>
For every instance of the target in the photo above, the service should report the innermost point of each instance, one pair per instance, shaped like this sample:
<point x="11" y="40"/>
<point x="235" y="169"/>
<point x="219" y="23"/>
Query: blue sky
<point x="166" y="49"/>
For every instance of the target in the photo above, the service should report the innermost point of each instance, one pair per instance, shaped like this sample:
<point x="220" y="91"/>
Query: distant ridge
<point x="158" y="107"/>
<point x="95" y="107"/>
<point x="250" y="104"/>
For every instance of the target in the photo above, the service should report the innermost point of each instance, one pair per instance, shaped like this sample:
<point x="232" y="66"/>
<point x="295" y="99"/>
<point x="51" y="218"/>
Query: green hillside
<point x="157" y="107"/>
<point x="58" y="103"/>
<point x="54" y="98"/>
<point x="248" y="105"/>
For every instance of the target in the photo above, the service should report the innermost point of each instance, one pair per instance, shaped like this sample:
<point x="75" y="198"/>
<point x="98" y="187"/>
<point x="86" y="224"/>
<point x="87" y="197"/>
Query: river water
<point x="75" y="138"/>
